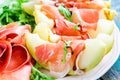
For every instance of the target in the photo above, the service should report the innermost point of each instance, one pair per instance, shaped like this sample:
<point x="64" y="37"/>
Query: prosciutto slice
<point x="22" y="74"/>
<point x="83" y="4"/>
<point x="19" y="57"/>
<point x="5" y="53"/>
<point x="14" y="33"/>
<point x="14" y="56"/>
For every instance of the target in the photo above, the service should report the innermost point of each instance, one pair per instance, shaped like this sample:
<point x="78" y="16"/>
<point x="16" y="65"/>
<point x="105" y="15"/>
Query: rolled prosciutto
<point x="14" y="56"/>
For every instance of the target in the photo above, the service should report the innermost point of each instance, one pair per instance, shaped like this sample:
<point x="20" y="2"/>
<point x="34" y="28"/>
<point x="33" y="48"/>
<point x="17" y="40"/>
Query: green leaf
<point x="76" y="27"/>
<point x="66" y="12"/>
<point x="66" y="45"/>
<point x="38" y="66"/>
<point x="65" y="53"/>
<point x="38" y="75"/>
<point x="11" y="11"/>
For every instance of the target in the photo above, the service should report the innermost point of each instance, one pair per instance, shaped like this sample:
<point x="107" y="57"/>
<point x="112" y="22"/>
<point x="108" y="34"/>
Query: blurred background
<point x="116" y="6"/>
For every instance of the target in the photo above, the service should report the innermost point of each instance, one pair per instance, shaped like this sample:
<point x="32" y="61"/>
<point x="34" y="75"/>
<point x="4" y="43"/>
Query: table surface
<point x="114" y="72"/>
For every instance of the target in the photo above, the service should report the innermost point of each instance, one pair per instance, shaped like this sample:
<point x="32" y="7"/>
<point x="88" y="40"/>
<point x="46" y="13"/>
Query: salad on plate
<point x="53" y="39"/>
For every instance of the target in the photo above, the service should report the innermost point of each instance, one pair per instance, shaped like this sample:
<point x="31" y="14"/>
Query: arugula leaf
<point x="65" y="53"/>
<point x="11" y="11"/>
<point x="66" y="12"/>
<point x="38" y="66"/>
<point x="76" y="27"/>
<point x="66" y="45"/>
<point x="38" y="75"/>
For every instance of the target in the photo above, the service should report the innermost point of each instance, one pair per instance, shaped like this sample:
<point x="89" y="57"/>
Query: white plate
<point x="104" y="65"/>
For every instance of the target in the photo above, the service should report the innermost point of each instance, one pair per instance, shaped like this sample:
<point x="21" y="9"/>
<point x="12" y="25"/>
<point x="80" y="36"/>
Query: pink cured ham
<point x="5" y="53"/>
<point x="85" y="18"/>
<point x="66" y="28"/>
<point x="88" y="14"/>
<point x="77" y="46"/>
<point x="14" y="33"/>
<point x="22" y="74"/>
<point x="14" y="56"/>
<point x="43" y="52"/>
<point x="56" y="59"/>
<point x="51" y="55"/>
<point x="95" y="4"/>
<point x="19" y="57"/>
<point x="62" y="27"/>
<point x="51" y="11"/>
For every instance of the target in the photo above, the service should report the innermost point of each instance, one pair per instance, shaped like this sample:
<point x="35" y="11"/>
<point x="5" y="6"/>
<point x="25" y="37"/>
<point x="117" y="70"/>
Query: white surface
<point x="104" y="65"/>
<point x="1" y="1"/>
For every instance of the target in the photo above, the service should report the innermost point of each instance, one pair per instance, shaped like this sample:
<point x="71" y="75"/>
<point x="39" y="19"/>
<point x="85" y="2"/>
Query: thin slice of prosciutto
<point x="5" y="54"/>
<point x="22" y="74"/>
<point x="14" y="33"/>
<point x="19" y="57"/>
